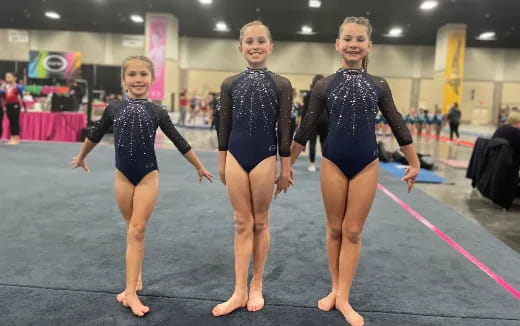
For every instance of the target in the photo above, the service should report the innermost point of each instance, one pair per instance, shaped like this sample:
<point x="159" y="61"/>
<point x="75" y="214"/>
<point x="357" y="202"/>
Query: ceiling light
<point x="206" y="2"/>
<point x="52" y="15"/>
<point x="395" y="32"/>
<point x="428" y="5"/>
<point x="314" y="3"/>
<point x="137" y="19"/>
<point x="306" y="30"/>
<point x="221" y="27"/>
<point x="487" y="36"/>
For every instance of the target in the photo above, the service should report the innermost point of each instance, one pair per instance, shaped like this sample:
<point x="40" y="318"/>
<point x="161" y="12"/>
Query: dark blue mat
<point x="425" y="176"/>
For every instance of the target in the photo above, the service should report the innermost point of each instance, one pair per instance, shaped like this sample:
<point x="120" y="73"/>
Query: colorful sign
<point x="157" y="53"/>
<point x="62" y="65"/>
<point x="456" y="44"/>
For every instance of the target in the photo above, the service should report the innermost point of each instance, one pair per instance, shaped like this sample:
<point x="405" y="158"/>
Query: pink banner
<point x="157" y="53"/>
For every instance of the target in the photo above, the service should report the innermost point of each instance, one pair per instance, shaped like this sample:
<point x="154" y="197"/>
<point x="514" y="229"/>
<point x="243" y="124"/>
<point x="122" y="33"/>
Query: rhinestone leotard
<point x="135" y="123"/>
<point x="351" y="98"/>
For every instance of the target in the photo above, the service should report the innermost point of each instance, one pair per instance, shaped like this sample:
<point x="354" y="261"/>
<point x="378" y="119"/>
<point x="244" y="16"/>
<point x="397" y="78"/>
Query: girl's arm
<point x="285" y="98"/>
<point x="225" y="122"/>
<point x="401" y="133"/>
<point x="166" y="125"/>
<point x="79" y="160"/>
<point x="94" y="136"/>
<point x="202" y="172"/>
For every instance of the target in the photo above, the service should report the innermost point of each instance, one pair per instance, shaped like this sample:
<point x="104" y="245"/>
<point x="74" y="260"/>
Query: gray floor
<point x="62" y="245"/>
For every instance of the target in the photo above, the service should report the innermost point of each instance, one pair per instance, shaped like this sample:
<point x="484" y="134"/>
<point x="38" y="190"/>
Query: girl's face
<point x="256" y="46"/>
<point x="9" y="78"/>
<point x="137" y="79"/>
<point x="353" y="45"/>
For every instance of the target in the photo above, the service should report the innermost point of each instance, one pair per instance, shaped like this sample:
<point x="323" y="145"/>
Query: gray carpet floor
<point x="62" y="251"/>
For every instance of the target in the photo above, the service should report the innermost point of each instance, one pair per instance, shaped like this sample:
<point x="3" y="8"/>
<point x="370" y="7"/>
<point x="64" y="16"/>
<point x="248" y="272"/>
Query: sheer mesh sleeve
<point x="285" y="97"/>
<point x="317" y="104"/>
<point x="100" y="127"/>
<point x="395" y="120"/>
<point x="225" y="104"/>
<point x="166" y="125"/>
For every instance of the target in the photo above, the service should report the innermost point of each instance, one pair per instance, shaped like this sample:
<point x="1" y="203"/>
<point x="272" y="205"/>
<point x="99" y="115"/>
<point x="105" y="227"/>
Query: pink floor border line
<point x="509" y="288"/>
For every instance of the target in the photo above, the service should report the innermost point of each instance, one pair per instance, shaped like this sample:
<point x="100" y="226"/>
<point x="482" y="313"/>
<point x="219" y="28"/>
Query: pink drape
<point x="50" y="126"/>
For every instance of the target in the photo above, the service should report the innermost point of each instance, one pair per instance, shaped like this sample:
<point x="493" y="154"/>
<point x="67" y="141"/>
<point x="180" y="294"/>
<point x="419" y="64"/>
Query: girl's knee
<point x="334" y="232"/>
<point x="352" y="235"/>
<point x="136" y="231"/>
<point x="261" y="224"/>
<point x="243" y="223"/>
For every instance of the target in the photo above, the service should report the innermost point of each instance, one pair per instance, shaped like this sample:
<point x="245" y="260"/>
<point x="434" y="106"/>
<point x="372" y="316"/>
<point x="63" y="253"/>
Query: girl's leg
<point x="124" y="190"/>
<point x="145" y="196"/>
<point x="13" y="113"/>
<point x="262" y="179"/>
<point x="239" y="192"/>
<point x="334" y="187"/>
<point x="361" y="192"/>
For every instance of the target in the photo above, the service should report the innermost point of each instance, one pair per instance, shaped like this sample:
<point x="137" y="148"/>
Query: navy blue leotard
<point x="351" y="98"/>
<point x="135" y="122"/>
<point x="253" y="105"/>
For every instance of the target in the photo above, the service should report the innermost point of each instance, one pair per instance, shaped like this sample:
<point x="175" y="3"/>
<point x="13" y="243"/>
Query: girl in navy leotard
<point x="349" y="170"/>
<point x="255" y="117"/>
<point x="135" y="122"/>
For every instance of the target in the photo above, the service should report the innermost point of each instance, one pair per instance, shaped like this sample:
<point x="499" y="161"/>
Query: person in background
<point x="454" y="120"/>
<point x="183" y="107"/>
<point x="510" y="131"/>
<point x="77" y="95"/>
<point x="12" y="94"/>
<point x="322" y="126"/>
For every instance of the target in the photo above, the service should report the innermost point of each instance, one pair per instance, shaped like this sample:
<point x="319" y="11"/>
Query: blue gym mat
<point x="425" y="176"/>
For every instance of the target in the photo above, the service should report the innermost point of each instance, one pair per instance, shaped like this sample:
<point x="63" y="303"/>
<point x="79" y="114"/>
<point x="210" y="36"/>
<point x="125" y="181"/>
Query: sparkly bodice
<point x="135" y="124"/>
<point x="256" y="103"/>
<point x="352" y="98"/>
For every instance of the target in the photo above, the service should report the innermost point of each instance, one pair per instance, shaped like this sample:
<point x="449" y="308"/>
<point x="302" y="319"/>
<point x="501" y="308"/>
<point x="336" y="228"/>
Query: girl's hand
<point x="203" y="173"/>
<point x="410" y="176"/>
<point x="222" y="174"/>
<point x="76" y="162"/>
<point x="282" y="184"/>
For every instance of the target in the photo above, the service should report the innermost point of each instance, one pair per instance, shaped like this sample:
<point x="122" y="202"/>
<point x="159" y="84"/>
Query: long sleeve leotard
<point x="135" y="123"/>
<point x="352" y="98"/>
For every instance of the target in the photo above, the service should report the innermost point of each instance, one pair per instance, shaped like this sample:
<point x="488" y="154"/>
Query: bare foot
<point x="139" y="287"/>
<point x="234" y="303"/>
<point x="133" y="302"/>
<point x="352" y="317"/>
<point x="256" y="299"/>
<point x="328" y="302"/>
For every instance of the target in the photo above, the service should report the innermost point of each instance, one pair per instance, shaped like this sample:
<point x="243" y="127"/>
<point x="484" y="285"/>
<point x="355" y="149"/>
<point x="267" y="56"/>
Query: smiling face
<point x="137" y="78"/>
<point x="256" y="45"/>
<point x="353" y="45"/>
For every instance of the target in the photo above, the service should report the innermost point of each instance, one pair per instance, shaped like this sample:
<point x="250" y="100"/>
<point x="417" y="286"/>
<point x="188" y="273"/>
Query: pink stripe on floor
<point x="466" y="143"/>
<point x="509" y="288"/>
